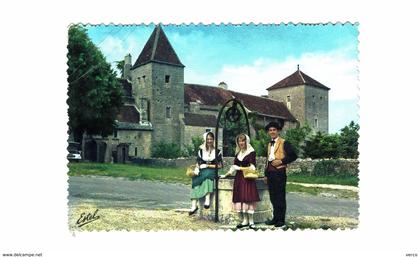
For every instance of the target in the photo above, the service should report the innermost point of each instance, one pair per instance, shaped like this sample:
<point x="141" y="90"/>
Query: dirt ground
<point x="135" y="219"/>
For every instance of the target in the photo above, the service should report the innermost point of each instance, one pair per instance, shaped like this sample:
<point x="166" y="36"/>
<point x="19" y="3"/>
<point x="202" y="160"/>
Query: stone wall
<point x="195" y="131"/>
<point x="307" y="103"/>
<point x="142" y="140"/>
<point x="346" y="166"/>
<point x="316" y="107"/>
<point x="161" y="162"/>
<point x="297" y="99"/>
<point x="149" y="83"/>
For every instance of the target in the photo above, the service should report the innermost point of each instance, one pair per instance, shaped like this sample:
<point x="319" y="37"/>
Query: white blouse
<point x="208" y="155"/>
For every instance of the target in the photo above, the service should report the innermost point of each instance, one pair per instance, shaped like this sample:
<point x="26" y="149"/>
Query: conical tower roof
<point x="158" y="49"/>
<point x="297" y="78"/>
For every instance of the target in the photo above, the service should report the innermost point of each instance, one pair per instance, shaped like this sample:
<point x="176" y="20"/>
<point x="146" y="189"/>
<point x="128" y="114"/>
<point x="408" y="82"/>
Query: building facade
<point x="160" y="107"/>
<point x="306" y="98"/>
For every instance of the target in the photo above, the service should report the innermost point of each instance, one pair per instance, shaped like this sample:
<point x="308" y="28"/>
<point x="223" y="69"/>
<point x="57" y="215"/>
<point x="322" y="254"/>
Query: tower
<point x="158" y="87"/>
<point x="127" y="67"/>
<point x="306" y="98"/>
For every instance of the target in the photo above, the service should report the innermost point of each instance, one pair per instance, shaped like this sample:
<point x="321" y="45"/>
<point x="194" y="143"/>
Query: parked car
<point x="75" y="153"/>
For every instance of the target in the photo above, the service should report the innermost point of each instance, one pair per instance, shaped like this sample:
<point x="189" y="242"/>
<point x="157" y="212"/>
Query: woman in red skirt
<point x="245" y="194"/>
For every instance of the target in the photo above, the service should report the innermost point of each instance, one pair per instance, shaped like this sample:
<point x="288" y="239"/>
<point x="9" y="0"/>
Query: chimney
<point x="127" y="67"/>
<point x="223" y="85"/>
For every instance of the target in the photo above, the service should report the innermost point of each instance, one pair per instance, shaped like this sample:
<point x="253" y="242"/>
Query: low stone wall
<point x="161" y="162"/>
<point x="307" y="166"/>
<point x="339" y="166"/>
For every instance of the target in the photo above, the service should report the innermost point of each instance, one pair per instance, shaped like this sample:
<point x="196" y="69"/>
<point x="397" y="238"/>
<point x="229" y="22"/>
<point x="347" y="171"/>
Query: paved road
<point x="115" y="192"/>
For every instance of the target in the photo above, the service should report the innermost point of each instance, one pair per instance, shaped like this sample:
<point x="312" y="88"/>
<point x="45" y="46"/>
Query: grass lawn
<point x="338" y="193"/>
<point x="177" y="175"/>
<point x="346" y="181"/>
<point x="166" y="174"/>
<point x="130" y="171"/>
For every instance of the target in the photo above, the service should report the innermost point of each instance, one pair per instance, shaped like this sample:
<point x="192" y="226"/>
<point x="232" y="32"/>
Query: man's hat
<point x="274" y="124"/>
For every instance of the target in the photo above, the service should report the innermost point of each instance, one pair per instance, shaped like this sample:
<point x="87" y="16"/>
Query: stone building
<point x="160" y="106"/>
<point x="306" y="98"/>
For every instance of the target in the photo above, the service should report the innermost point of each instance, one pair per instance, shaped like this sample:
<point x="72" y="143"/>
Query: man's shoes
<point x="252" y="226"/>
<point x="192" y="212"/>
<point x="280" y="224"/>
<point x="271" y="222"/>
<point x="241" y="226"/>
<point x="206" y="206"/>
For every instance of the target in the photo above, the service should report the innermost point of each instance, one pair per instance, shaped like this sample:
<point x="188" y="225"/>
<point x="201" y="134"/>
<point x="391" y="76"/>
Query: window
<point x="115" y="133"/>
<point x="142" y="80"/>
<point x="167" y="79"/>
<point x="135" y="151"/>
<point x="288" y="103"/>
<point x="208" y="130"/>
<point x="144" y="109"/>
<point x="168" y="112"/>
<point x="316" y="123"/>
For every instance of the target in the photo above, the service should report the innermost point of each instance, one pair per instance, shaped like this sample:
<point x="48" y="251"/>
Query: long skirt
<point x="203" y="183"/>
<point x="244" y="190"/>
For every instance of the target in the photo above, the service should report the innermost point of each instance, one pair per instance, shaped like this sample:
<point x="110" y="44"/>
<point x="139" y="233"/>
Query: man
<point x="279" y="154"/>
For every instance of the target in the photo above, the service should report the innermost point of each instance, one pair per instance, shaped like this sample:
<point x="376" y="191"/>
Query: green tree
<point x="166" y="150"/>
<point x="335" y="145"/>
<point x="322" y="145"/>
<point x="330" y="145"/>
<point x="94" y="94"/>
<point x="192" y="149"/>
<point x="349" y="138"/>
<point x="120" y="67"/>
<point x="312" y="148"/>
<point x="260" y="142"/>
<point x="297" y="137"/>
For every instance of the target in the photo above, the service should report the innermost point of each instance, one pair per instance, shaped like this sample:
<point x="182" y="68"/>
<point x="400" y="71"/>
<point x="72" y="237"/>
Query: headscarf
<point x="249" y="149"/>
<point x="212" y="154"/>
<point x="203" y="145"/>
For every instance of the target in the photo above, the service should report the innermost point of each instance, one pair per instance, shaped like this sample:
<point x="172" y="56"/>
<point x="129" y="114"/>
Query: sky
<point x="251" y="58"/>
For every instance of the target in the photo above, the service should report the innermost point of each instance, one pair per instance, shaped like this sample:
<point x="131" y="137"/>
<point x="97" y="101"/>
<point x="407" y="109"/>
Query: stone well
<point x="226" y="213"/>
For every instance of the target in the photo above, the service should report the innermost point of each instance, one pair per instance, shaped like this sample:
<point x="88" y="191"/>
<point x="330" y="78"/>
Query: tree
<point x="312" y="148"/>
<point x="94" y="93"/>
<point x="349" y="138"/>
<point x="322" y="145"/>
<point x="334" y="145"/>
<point x="120" y="67"/>
<point x="260" y="142"/>
<point x="297" y="137"/>
<point x="192" y="149"/>
<point x="168" y="150"/>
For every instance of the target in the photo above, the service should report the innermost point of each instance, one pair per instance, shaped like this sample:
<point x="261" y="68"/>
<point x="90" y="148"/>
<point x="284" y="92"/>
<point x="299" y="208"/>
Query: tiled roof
<point x="206" y="95"/>
<point x="128" y="113"/>
<point x="297" y="78"/>
<point x="213" y="96"/>
<point x="158" y="49"/>
<point x="264" y="106"/>
<point x="200" y="120"/>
